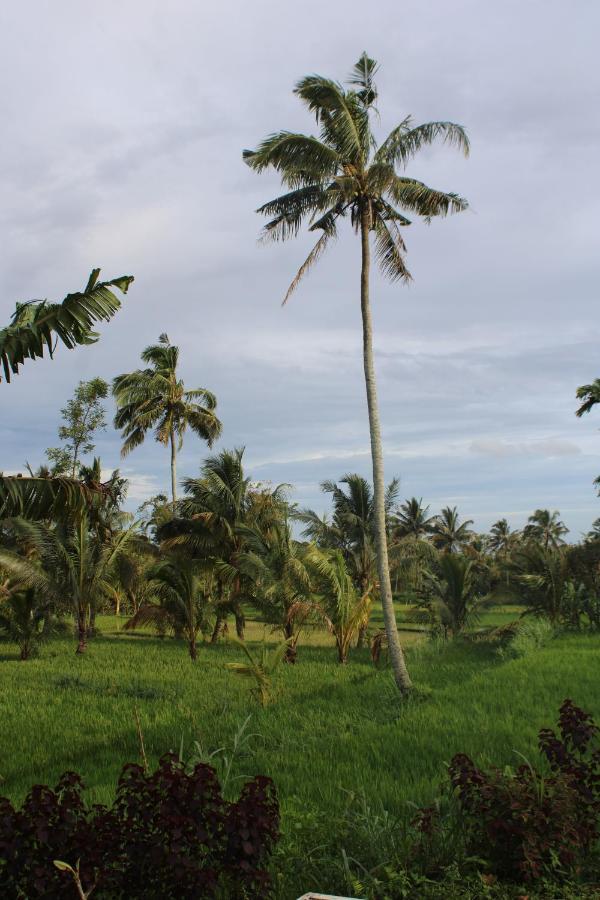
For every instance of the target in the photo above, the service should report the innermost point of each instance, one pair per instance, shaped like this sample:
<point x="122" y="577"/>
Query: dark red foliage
<point x="526" y="825"/>
<point x="168" y="836"/>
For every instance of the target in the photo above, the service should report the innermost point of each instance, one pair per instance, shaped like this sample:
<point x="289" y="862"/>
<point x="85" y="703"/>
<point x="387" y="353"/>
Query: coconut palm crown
<point x="344" y="173"/>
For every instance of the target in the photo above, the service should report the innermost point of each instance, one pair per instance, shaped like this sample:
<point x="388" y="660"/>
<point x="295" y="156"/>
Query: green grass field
<point x="330" y="730"/>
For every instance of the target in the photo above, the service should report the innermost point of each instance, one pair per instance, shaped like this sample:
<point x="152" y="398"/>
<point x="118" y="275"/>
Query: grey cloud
<point x="135" y="165"/>
<point x="544" y="447"/>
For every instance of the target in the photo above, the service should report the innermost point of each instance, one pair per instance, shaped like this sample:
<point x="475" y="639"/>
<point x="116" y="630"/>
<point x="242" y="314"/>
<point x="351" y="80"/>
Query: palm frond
<point x="423" y="200"/>
<point x="389" y="250"/>
<point x="343" y="118"/>
<point x="590" y="394"/>
<point x="36" y="325"/>
<point x="148" y="615"/>
<point x="47" y="498"/>
<point x="300" y="159"/>
<point x="290" y="209"/>
<point x="362" y="75"/>
<point x="313" y="257"/>
<point x="24" y="571"/>
<point x="404" y="141"/>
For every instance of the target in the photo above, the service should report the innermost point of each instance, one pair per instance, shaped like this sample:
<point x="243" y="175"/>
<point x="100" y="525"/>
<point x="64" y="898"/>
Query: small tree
<point x="335" y="599"/>
<point x="260" y="668"/>
<point x="183" y="601"/>
<point x="71" y="564"/>
<point x="83" y="415"/>
<point x="274" y="562"/>
<point x="451" y="596"/>
<point x="26" y="619"/>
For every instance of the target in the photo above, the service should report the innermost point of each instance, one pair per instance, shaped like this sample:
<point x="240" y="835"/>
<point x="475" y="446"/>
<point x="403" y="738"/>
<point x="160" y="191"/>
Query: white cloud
<point x="544" y="447"/>
<point x="140" y="486"/>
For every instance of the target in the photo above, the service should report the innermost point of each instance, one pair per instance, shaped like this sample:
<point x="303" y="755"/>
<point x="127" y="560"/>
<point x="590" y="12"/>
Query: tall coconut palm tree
<point x="343" y="173"/>
<point x="155" y="398"/>
<point x="545" y="528"/>
<point x="448" y="533"/>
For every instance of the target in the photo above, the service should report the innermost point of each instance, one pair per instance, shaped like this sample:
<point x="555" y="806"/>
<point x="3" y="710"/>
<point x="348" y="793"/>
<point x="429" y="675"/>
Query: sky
<point x="124" y="128"/>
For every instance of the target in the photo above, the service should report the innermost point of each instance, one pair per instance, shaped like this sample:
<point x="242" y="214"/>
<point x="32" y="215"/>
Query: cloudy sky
<point x="124" y="124"/>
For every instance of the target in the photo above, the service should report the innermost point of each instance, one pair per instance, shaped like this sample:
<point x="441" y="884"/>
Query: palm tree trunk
<point x="240" y="622"/>
<point x="396" y="655"/>
<point x="217" y="630"/>
<point x="291" y="652"/>
<point x="81" y="632"/>
<point x="192" y="648"/>
<point x="173" y="468"/>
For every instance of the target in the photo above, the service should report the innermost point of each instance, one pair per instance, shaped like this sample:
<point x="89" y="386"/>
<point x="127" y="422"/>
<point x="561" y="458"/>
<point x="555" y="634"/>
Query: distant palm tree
<point x="545" y="528"/>
<point x="155" y="398"/>
<point x="501" y="537"/>
<point x="594" y="533"/>
<point x="448" y="533"/>
<point x="351" y="529"/>
<point x="590" y="394"/>
<point x="542" y="577"/>
<point x="343" y="173"/>
<point x="412" y="520"/>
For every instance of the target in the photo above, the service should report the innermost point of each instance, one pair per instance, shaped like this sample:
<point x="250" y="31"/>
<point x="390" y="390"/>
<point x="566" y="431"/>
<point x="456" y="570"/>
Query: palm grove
<point x="229" y="546"/>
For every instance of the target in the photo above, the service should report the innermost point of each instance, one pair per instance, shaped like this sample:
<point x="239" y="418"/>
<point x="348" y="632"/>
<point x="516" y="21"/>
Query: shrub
<point x="529" y="634"/>
<point x="169" y="835"/>
<point x="526" y="825"/>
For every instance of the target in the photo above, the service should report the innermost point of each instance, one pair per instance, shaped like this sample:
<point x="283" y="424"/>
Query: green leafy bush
<point x="530" y="634"/>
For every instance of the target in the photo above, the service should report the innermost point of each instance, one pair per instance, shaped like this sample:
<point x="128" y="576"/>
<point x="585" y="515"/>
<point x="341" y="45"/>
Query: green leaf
<point x="36" y="323"/>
